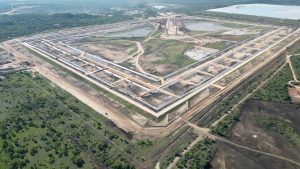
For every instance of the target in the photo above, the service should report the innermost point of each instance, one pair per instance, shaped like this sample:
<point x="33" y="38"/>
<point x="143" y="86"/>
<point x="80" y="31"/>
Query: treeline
<point x="18" y="25"/>
<point x="182" y="144"/>
<point x="199" y="156"/>
<point x="225" y="126"/>
<point x="276" y="88"/>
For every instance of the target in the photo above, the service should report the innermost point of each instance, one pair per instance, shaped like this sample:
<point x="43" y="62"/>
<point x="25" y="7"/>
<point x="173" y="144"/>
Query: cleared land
<point x="251" y="131"/>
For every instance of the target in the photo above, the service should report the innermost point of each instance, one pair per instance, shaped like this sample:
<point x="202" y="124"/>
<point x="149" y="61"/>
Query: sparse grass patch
<point x="219" y="45"/>
<point x="170" y="51"/>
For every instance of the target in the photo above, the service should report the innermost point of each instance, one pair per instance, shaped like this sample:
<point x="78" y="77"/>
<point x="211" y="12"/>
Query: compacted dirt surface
<point x="247" y="133"/>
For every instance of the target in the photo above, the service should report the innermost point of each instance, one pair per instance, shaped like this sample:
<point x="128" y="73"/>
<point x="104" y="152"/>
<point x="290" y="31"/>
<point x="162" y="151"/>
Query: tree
<point x="33" y="151"/>
<point x="120" y="164"/>
<point x="78" y="161"/>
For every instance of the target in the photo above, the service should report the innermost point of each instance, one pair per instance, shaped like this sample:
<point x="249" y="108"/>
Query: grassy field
<point x="170" y="51"/>
<point x="123" y="44"/>
<point x="219" y="45"/>
<point x="42" y="126"/>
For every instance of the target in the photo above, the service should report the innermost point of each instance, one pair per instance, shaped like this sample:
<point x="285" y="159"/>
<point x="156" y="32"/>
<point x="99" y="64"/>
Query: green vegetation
<point x="170" y="51"/>
<point x="169" y="159"/>
<point x="128" y="65"/>
<point x="42" y="126"/>
<point x="296" y="65"/>
<point x="225" y="126"/>
<point x="199" y="156"/>
<point x="295" y="49"/>
<point x="219" y="45"/>
<point x="224" y="105"/>
<point x="276" y="88"/>
<point x="182" y="144"/>
<point x="278" y="125"/>
<point x="133" y="50"/>
<point x="123" y="44"/>
<point x="18" y="25"/>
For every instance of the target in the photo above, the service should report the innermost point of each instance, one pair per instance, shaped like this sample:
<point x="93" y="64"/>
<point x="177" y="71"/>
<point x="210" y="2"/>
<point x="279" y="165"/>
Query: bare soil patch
<point x="231" y="157"/>
<point x="108" y="51"/>
<point x="247" y="133"/>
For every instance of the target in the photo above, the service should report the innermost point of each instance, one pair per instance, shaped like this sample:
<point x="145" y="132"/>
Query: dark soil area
<point x="231" y="157"/>
<point x="247" y="133"/>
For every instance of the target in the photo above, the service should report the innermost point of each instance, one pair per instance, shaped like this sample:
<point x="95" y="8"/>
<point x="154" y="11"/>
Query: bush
<point x="121" y="164"/>
<point x="226" y="124"/>
<point x="276" y="88"/>
<point x="33" y="151"/>
<point x="199" y="156"/>
<point x="78" y="161"/>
